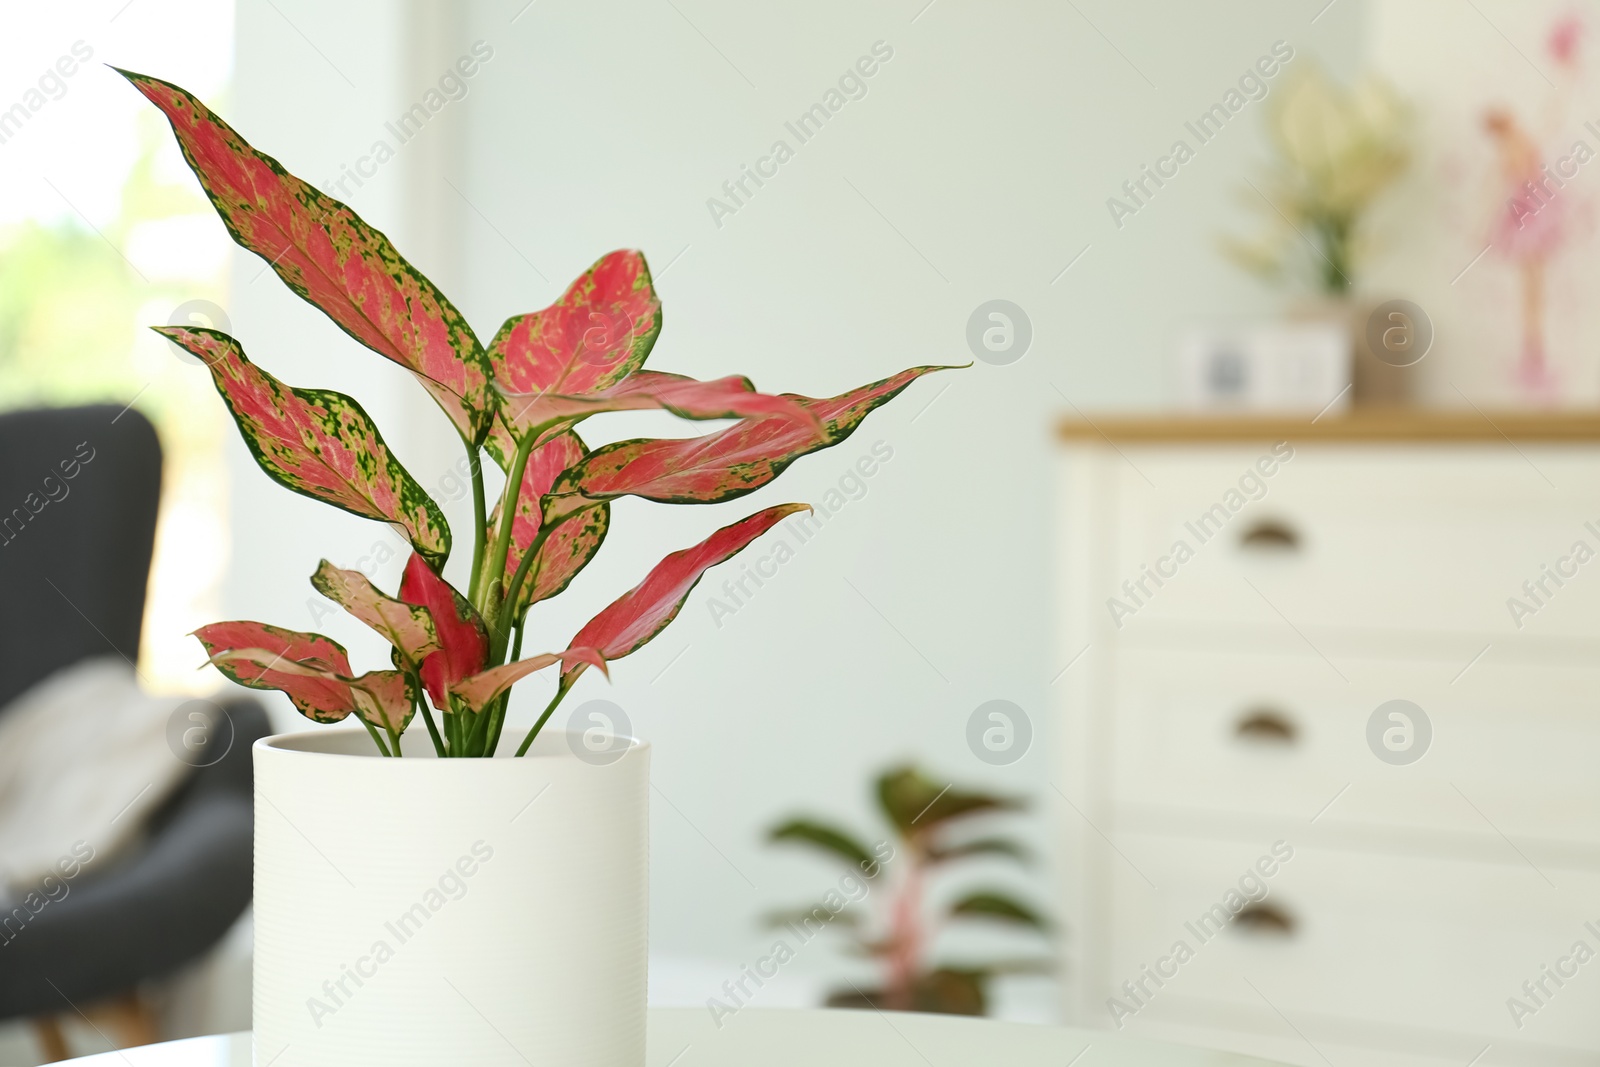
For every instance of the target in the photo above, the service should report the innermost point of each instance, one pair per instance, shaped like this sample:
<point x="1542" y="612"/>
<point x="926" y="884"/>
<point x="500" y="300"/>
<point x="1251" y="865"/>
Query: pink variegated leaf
<point x="568" y="548"/>
<point x="722" y="465"/>
<point x="318" y="699"/>
<point x="314" y="671"/>
<point x="477" y="692"/>
<point x="408" y="627"/>
<point x="598" y="333"/>
<point x="318" y="443"/>
<point x="463" y="638"/>
<point x="386" y="699"/>
<point x="331" y="258"/>
<point x="542" y="415"/>
<point x="645" y="610"/>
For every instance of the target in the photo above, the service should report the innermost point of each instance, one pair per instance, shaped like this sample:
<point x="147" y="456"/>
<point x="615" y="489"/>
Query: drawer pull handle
<point x="1265" y="919"/>
<point x="1266" y="726"/>
<point x="1269" y="535"/>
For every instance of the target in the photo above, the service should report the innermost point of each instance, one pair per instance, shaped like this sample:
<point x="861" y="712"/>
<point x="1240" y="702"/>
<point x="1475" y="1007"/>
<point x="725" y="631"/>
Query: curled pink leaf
<point x="463" y="638"/>
<point x="408" y="627"/>
<point x="722" y="465"/>
<point x="480" y="690"/>
<point x="542" y="415"/>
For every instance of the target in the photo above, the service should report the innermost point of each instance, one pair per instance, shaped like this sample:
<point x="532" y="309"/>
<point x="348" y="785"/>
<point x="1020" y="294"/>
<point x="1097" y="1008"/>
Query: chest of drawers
<point x="1238" y="601"/>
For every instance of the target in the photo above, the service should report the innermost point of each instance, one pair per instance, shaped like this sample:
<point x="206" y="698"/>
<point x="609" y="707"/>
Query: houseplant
<point x="930" y="823"/>
<point x="360" y="859"/>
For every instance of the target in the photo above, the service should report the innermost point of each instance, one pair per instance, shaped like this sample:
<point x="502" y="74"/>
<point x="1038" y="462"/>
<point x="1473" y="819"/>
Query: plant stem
<point x="480" y="731"/>
<point x="504" y="704"/>
<point x="376" y="739"/>
<point x="480" y="520"/>
<point x="514" y="589"/>
<point x="561" y="691"/>
<point x="394" y="739"/>
<point x="905" y="935"/>
<point x="427" y="717"/>
<point x="502" y="541"/>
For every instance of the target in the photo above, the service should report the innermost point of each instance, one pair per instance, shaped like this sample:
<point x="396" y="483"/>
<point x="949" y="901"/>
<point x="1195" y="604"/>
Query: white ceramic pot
<point x="449" y="913"/>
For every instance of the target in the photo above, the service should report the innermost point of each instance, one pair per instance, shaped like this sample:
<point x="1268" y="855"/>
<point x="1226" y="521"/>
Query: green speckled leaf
<point x="321" y="444"/>
<point x="332" y="259"/>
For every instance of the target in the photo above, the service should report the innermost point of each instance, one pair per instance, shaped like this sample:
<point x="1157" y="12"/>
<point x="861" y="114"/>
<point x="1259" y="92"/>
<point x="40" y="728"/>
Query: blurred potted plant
<point x="1337" y="150"/>
<point x="362" y="848"/>
<point x="932" y="824"/>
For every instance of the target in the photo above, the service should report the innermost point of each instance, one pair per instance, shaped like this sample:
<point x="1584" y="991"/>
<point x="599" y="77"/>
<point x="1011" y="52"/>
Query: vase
<point x="464" y="912"/>
<point x="1379" y="377"/>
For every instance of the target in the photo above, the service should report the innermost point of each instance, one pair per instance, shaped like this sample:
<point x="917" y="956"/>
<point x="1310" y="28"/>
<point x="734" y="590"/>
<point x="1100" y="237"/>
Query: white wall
<point x="976" y="167"/>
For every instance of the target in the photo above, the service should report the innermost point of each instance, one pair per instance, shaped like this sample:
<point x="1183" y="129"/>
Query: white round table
<point x="687" y="1037"/>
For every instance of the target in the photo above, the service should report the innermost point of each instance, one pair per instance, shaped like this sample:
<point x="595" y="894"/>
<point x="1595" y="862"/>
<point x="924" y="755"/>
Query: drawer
<point x="1340" y="940"/>
<point x="1397" y="539"/>
<point x="1513" y="750"/>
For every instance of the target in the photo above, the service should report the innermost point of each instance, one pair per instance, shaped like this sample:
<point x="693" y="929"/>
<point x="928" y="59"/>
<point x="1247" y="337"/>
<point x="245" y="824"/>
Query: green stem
<point x="480" y="730"/>
<point x="510" y="620"/>
<point x="376" y="739"/>
<point x="394" y="739"/>
<point x="504" y="704"/>
<point x="480" y="520"/>
<point x="457" y="741"/>
<point x="502" y="542"/>
<point x="427" y="717"/>
<point x="561" y="691"/>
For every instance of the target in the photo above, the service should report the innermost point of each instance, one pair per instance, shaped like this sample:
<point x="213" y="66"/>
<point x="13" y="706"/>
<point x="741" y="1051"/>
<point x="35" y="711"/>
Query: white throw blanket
<point x="84" y="759"/>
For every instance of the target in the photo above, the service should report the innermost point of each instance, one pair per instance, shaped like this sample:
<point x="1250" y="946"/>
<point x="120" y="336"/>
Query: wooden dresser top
<point x="1373" y="425"/>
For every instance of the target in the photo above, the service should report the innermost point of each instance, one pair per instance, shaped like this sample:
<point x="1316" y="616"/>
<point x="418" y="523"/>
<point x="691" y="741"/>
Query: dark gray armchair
<point x="78" y="495"/>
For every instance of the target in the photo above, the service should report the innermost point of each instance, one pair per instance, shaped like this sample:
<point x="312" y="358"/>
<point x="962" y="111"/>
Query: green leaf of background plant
<point x="839" y="843"/>
<point x="916" y="804"/>
<point x="992" y="904"/>
<point x="798" y="917"/>
<point x="983" y="846"/>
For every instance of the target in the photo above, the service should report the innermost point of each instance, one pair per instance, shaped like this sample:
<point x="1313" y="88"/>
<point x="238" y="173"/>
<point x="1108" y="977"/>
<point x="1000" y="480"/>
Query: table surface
<point x="1361" y="426"/>
<point x="687" y="1037"/>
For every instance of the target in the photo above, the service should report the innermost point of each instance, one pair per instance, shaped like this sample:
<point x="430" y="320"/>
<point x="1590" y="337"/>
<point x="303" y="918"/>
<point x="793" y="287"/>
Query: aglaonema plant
<point x="520" y="399"/>
<point x="930" y="823"/>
